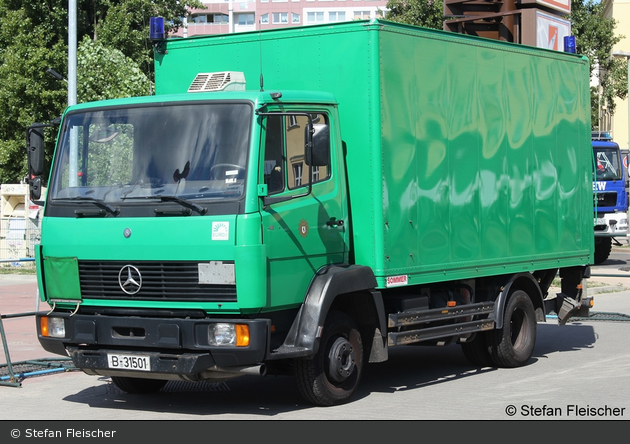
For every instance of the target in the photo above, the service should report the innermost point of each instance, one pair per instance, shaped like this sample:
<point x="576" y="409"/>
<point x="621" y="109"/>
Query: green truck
<point x="298" y="201"/>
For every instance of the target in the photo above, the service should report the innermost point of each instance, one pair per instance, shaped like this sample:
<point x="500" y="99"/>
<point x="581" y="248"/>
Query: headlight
<point x="52" y="327"/>
<point x="228" y="335"/>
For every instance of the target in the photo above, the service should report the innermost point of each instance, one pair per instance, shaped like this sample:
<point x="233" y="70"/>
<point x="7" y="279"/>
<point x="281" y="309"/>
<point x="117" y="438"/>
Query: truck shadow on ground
<point x="408" y="368"/>
<point x="610" y="261"/>
<point x="411" y="368"/>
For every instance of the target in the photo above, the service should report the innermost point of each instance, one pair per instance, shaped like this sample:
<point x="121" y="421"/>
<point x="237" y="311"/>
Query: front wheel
<point x="513" y="345"/>
<point x="603" y="247"/>
<point x="332" y="376"/>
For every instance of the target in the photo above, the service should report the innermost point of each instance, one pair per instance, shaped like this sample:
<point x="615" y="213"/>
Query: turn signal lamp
<point x="43" y="325"/>
<point x="242" y="335"/>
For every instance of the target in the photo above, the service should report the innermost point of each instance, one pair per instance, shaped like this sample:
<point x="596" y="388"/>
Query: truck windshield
<point x="608" y="164"/>
<point x="173" y="153"/>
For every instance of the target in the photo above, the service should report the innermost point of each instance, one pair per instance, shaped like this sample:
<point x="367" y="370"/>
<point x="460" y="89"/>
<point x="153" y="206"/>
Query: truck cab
<point x="210" y="225"/>
<point x="611" y="196"/>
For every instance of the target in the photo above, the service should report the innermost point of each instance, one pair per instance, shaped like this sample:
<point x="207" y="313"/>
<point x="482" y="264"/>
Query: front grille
<point x="606" y="199"/>
<point x="161" y="281"/>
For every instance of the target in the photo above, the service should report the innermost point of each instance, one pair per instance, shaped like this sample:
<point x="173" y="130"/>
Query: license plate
<point x="129" y="362"/>
<point x="599" y="221"/>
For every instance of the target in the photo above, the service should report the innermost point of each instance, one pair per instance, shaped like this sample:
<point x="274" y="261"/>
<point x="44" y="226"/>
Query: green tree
<point x="27" y="93"/>
<point x="105" y="73"/>
<point x="34" y="36"/>
<point x="124" y="24"/>
<point x="595" y="37"/>
<point x="427" y="13"/>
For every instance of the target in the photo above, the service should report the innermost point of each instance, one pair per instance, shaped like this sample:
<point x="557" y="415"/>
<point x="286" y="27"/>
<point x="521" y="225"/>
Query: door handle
<point x="334" y="222"/>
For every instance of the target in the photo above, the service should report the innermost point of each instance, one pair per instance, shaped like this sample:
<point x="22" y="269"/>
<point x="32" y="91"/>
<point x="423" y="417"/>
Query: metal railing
<point x="18" y="239"/>
<point x="17" y="371"/>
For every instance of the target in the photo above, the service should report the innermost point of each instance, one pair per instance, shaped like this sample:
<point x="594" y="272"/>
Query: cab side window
<point x="285" y="158"/>
<point x="274" y="155"/>
<point x="298" y="169"/>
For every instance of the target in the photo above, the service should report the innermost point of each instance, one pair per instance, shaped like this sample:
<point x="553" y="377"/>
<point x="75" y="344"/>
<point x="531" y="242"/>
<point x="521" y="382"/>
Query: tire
<point x="138" y="385"/>
<point x="332" y="376"/>
<point x="513" y="345"/>
<point x="603" y="247"/>
<point x="476" y="351"/>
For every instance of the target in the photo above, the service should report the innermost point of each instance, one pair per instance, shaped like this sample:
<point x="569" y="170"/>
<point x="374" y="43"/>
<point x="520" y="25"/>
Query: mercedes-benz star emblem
<point x="130" y="279"/>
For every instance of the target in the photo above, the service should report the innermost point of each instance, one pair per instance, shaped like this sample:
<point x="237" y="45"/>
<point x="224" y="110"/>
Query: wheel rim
<point x="341" y="360"/>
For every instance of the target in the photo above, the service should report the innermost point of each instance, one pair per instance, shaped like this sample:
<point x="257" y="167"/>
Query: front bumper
<point x="177" y="348"/>
<point x="611" y="224"/>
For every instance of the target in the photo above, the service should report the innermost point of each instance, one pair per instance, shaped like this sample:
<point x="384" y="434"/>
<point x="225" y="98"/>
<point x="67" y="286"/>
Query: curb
<point x="605" y="289"/>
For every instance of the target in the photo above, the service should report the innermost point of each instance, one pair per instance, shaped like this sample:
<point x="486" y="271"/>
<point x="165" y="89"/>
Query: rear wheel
<point x="333" y="374"/>
<point x="138" y="385"/>
<point x="513" y="345"/>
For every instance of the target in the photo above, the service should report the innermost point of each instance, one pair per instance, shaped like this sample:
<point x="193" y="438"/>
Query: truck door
<point x="302" y="230"/>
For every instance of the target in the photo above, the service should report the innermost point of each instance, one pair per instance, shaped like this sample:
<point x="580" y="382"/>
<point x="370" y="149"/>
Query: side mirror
<point x="319" y="155"/>
<point x="35" y="150"/>
<point x="35" y="158"/>
<point x="35" y="188"/>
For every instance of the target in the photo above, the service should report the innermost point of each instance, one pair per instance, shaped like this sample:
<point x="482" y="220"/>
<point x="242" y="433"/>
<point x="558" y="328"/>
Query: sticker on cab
<point x="303" y="228"/>
<point x="220" y="231"/>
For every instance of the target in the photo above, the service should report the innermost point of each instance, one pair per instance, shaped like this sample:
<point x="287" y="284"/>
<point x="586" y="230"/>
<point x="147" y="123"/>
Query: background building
<point x="226" y="16"/>
<point x="620" y="11"/>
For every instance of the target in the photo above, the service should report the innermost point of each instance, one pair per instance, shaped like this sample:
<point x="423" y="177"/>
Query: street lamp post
<point x="72" y="52"/>
<point x="72" y="88"/>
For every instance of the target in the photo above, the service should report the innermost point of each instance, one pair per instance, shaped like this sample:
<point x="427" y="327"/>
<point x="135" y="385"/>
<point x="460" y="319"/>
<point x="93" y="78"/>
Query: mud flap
<point x="568" y="307"/>
<point x="378" y="351"/>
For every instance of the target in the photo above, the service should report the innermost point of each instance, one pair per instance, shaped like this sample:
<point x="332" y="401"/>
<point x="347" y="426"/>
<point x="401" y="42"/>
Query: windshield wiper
<point x="98" y="202"/>
<point x="183" y="202"/>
